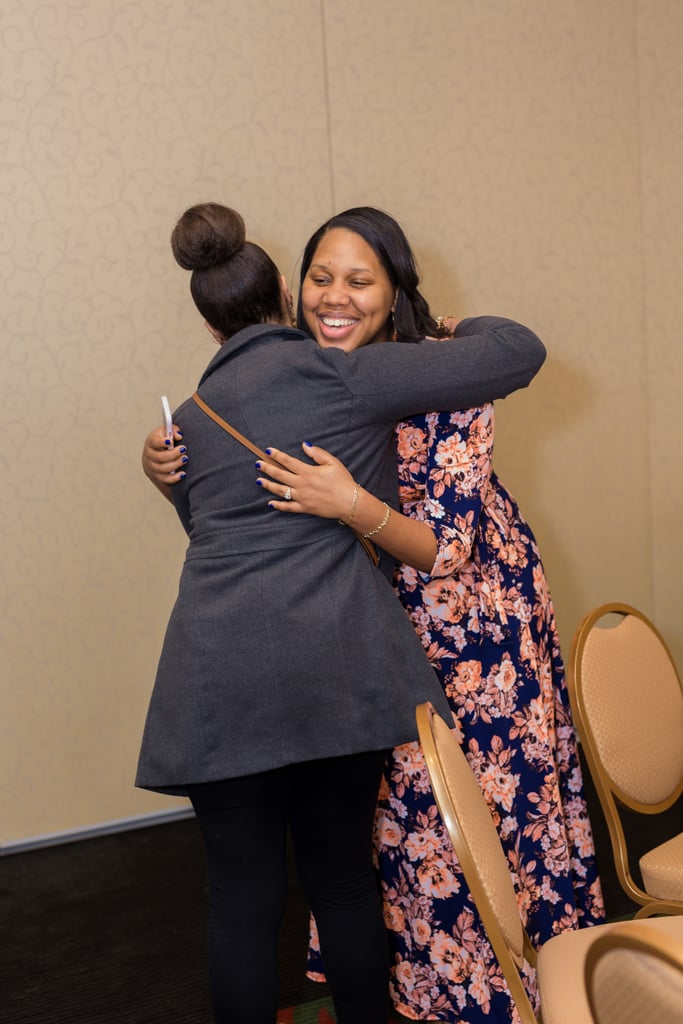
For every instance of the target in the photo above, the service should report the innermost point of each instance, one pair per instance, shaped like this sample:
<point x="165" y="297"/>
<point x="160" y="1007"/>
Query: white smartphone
<point x="167" y="418"/>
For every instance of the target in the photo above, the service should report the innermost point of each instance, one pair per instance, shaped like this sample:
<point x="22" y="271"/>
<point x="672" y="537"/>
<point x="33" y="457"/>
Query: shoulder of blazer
<point x="230" y="348"/>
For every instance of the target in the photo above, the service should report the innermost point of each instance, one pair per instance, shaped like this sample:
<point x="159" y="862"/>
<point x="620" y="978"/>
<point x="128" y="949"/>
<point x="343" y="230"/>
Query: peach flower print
<point x="313" y="933"/>
<point x="582" y="836"/>
<point x="443" y="598"/>
<point x="394" y="918"/>
<point x="410" y="759"/>
<point x="411" y="448"/>
<point x="548" y="892"/>
<point x="481" y="433"/>
<point x="568" y="921"/>
<point x="406" y="974"/>
<point x="479" y="986"/>
<point x="507" y="675"/>
<point x="537" y="720"/>
<point x="541" y="589"/>
<point x="452" y="456"/>
<point x="527" y="646"/>
<point x="389" y="834"/>
<point x="508" y="826"/>
<point x="422" y="844"/>
<point x="436" y="879"/>
<point x="448" y="957"/>
<point x="500" y="786"/>
<point x="422" y="931"/>
<point x="468" y="676"/>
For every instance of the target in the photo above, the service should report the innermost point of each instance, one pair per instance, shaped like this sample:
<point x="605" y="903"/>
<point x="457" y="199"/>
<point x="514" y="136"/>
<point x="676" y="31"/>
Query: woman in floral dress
<point x="487" y="623"/>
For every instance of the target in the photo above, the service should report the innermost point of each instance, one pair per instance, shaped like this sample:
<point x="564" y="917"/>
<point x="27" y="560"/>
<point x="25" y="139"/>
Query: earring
<point x="394" y="332"/>
<point x="292" y="315"/>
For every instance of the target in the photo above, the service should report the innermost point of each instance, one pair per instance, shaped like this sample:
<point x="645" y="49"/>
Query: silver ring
<point x="288" y="494"/>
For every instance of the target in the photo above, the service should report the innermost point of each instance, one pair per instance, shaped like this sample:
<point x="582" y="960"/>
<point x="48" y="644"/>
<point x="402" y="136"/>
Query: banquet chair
<point x="627" y="702"/>
<point x="634" y="974"/>
<point x="560" y="961"/>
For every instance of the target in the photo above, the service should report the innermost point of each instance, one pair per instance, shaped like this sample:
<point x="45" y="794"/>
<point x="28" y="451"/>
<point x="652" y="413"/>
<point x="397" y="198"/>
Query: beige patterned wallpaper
<point x="531" y="149"/>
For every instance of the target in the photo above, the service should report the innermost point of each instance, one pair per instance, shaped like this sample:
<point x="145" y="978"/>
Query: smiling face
<point x="346" y="296"/>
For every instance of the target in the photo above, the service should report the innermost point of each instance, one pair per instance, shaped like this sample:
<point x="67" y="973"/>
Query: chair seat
<point x="662" y="870"/>
<point x="561" y="970"/>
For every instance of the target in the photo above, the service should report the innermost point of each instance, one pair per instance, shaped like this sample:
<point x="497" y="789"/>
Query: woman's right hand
<point x="162" y="462"/>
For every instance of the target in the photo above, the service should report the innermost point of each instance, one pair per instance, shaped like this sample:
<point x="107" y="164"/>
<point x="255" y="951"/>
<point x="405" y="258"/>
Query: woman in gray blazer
<point x="289" y="667"/>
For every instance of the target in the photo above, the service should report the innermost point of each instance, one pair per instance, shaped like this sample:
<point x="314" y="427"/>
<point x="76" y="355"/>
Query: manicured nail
<point x="180" y="436"/>
<point x="185" y="459"/>
<point x="269" y="451"/>
<point x="308" y="444"/>
<point x="183" y="475"/>
<point x="258" y="465"/>
<point x="182" y="449"/>
<point x="167" y="440"/>
<point x="259" y="483"/>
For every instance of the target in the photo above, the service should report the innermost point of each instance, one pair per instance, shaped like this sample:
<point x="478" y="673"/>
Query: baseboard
<point x="104" y="828"/>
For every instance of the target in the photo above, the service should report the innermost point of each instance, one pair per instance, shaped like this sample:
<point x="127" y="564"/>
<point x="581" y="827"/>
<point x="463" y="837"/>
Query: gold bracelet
<point x="382" y="524"/>
<point x="354" y="502"/>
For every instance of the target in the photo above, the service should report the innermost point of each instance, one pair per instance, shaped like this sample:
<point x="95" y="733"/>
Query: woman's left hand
<point x="325" y="489"/>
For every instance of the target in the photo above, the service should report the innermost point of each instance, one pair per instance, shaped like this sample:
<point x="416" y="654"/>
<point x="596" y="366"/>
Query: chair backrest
<point x="474" y="837"/>
<point x="634" y="974"/>
<point x="628" y="707"/>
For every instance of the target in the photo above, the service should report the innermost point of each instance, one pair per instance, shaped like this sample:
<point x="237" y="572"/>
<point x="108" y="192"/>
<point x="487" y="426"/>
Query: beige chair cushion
<point x="653" y="995"/>
<point x="662" y="870"/>
<point x="636" y="987"/>
<point x="560" y="972"/>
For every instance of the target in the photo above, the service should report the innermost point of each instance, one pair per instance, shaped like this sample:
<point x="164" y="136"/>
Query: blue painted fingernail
<point x="183" y="475"/>
<point x="268" y="451"/>
<point x="167" y="440"/>
<point x="308" y="444"/>
<point x="258" y="465"/>
<point x="259" y="484"/>
<point x="180" y="436"/>
<point x="182" y="449"/>
<point x="185" y="458"/>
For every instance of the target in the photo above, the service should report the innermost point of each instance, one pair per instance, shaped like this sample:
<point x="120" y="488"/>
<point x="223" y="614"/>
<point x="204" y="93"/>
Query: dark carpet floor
<point x="111" y="930"/>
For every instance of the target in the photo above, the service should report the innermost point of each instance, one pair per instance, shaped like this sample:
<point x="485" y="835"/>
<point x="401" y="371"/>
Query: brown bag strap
<point x="231" y="430"/>
<point x="369" y="548"/>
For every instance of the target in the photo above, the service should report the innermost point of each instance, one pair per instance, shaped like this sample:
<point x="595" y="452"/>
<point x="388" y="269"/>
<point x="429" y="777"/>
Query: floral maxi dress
<point x="487" y="623"/>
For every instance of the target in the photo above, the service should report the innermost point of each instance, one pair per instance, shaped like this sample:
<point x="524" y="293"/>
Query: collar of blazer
<point x="238" y="341"/>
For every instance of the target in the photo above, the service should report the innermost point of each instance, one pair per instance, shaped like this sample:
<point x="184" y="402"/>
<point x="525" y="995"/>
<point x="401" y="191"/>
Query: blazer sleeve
<point x="489" y="358"/>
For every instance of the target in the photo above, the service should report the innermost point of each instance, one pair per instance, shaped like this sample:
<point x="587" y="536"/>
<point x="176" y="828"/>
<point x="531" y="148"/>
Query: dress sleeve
<point x="455" y="473"/>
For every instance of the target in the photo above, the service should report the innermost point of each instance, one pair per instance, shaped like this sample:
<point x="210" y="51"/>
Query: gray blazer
<point x="285" y="643"/>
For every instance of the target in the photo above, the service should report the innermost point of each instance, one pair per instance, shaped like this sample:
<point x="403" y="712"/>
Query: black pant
<point x="329" y="806"/>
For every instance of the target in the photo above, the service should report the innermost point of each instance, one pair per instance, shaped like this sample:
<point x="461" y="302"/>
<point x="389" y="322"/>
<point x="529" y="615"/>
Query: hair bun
<point x="206" y="235"/>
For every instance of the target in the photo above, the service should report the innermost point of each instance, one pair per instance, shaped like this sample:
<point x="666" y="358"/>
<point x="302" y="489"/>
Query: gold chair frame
<point x="465" y="813"/>
<point x="480" y="855"/>
<point x="633" y="745"/>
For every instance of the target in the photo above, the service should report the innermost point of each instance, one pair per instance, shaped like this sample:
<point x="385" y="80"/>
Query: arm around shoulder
<point x="523" y="352"/>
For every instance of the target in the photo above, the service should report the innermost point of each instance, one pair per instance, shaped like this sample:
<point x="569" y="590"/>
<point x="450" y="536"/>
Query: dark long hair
<point x="234" y="282"/>
<point x="385" y="236"/>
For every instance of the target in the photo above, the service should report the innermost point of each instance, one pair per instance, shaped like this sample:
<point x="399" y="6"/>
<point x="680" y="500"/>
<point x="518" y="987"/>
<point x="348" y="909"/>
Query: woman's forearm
<point x="408" y="540"/>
